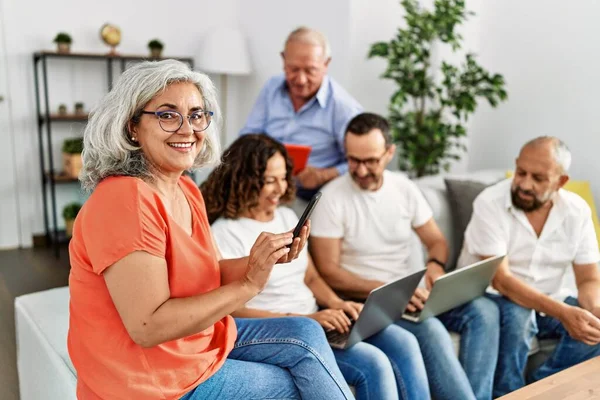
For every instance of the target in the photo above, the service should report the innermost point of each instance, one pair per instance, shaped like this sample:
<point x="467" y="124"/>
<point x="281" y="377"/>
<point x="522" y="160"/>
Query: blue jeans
<point x="276" y="358"/>
<point x="518" y="326"/>
<point x="478" y="323"/>
<point x="386" y="366"/>
<point x="447" y="379"/>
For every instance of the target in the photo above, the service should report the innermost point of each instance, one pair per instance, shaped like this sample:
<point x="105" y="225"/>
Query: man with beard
<point x="545" y="231"/>
<point x="362" y="237"/>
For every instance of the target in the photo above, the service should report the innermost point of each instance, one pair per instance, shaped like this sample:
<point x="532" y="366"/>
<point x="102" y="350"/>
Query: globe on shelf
<point x="111" y="35"/>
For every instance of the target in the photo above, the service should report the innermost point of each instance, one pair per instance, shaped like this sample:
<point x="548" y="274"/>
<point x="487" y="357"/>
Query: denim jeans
<point x="518" y="326"/>
<point x="385" y="366"/>
<point x="478" y="323"/>
<point x="447" y="379"/>
<point x="276" y="358"/>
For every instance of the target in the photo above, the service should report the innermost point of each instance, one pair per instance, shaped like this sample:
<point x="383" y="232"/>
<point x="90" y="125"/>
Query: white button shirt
<point x="543" y="262"/>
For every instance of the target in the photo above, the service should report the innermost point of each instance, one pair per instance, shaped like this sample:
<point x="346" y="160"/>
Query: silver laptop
<point x="457" y="288"/>
<point x="383" y="307"/>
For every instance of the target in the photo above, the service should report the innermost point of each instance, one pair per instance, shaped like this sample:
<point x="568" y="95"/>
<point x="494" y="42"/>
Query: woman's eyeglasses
<point x="172" y="121"/>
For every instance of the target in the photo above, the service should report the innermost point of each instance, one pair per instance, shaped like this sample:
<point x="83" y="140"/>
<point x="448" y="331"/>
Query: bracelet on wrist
<point x="438" y="262"/>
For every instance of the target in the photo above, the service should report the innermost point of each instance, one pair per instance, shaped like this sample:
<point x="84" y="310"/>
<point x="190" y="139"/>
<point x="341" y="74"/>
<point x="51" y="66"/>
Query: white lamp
<point x="224" y="52"/>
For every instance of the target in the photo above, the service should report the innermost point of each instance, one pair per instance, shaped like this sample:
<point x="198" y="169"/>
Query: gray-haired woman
<point x="148" y="315"/>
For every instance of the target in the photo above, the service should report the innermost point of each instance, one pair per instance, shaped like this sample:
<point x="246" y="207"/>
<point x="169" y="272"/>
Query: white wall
<point x="27" y="31"/>
<point x="9" y="223"/>
<point x="549" y="54"/>
<point x="547" y="51"/>
<point x="371" y="22"/>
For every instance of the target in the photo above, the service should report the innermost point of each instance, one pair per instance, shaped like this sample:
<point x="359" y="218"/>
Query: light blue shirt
<point x="320" y="123"/>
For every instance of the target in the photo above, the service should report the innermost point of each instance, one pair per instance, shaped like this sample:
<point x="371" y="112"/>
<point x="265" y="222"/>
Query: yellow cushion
<point x="583" y="189"/>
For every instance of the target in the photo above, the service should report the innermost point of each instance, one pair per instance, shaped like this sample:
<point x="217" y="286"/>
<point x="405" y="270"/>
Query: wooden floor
<point x="23" y="271"/>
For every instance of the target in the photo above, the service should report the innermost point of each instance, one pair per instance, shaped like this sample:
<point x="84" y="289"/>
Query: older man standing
<point x="544" y="231"/>
<point x="306" y="106"/>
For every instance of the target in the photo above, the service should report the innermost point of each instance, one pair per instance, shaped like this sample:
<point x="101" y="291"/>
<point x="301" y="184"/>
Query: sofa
<point x="43" y="363"/>
<point x="42" y="319"/>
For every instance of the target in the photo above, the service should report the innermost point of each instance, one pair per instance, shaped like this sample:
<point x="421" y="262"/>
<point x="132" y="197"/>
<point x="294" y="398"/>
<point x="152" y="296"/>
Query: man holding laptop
<point x="306" y="107"/>
<point x="361" y="239"/>
<point x="546" y="233"/>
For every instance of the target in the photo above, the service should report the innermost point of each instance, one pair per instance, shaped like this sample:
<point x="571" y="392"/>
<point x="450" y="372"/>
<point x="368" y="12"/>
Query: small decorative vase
<point x="155" y="53"/>
<point x="69" y="227"/>
<point x="64" y="48"/>
<point x="72" y="164"/>
<point x="79" y="109"/>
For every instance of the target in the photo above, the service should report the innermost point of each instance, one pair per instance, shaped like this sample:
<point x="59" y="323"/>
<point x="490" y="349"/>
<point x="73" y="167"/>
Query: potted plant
<point x="156" y="47"/>
<point x="69" y="213"/>
<point x="62" y="109"/>
<point x="63" y="42"/>
<point x="427" y="115"/>
<point x="71" y="152"/>
<point x="79" y="108"/>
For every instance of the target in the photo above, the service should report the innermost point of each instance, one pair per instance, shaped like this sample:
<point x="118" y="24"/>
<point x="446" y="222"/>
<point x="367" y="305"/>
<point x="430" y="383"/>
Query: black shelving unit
<point x="50" y="177"/>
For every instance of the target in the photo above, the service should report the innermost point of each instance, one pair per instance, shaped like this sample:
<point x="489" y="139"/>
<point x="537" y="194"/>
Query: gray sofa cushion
<point x="461" y="194"/>
<point x="435" y="191"/>
<point x="440" y="205"/>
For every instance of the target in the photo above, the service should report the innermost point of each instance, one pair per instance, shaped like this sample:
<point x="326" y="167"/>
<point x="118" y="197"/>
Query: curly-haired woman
<point x="243" y="197"/>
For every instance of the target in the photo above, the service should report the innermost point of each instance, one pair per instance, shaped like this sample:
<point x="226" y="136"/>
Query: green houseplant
<point x="430" y="107"/>
<point x="71" y="152"/>
<point x="69" y="213"/>
<point x="156" y="47"/>
<point x="63" y="42"/>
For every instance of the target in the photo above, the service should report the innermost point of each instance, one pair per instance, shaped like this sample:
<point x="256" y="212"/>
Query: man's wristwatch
<point x="438" y="262"/>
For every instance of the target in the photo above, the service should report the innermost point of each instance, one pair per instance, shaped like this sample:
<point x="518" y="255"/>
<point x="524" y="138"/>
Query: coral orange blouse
<point x="124" y="215"/>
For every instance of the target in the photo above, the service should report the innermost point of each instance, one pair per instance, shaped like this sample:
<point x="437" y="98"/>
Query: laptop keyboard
<point x="414" y="314"/>
<point x="337" y="339"/>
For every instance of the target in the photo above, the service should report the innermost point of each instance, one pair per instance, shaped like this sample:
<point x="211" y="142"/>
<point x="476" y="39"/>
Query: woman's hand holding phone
<point x="297" y="245"/>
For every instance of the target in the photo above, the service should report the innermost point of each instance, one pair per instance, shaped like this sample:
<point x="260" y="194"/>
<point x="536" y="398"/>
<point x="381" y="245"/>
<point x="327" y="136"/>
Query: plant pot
<point x="63" y="47"/>
<point x="69" y="227"/>
<point x="155" y="53"/>
<point x="62" y="110"/>
<point x="79" y="110"/>
<point x="72" y="164"/>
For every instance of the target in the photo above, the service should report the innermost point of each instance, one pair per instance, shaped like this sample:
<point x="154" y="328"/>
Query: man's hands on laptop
<point x="351" y="308"/>
<point x="434" y="271"/>
<point x="339" y="317"/>
<point x="417" y="301"/>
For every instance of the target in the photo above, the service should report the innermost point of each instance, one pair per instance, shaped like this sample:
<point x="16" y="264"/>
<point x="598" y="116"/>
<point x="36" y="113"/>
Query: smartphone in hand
<point x="306" y="214"/>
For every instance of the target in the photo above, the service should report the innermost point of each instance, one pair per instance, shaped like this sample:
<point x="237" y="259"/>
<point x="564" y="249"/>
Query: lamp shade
<point x="224" y="51"/>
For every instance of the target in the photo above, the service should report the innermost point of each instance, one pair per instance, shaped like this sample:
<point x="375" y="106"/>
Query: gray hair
<point x="311" y="36"/>
<point x="107" y="147"/>
<point x="562" y="154"/>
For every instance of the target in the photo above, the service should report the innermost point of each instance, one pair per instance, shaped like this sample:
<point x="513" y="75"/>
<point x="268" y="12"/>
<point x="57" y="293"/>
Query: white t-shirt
<point x="375" y="226"/>
<point x="567" y="238"/>
<point x="285" y="291"/>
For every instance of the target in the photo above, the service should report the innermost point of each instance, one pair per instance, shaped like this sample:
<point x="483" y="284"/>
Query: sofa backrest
<point x="435" y="192"/>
